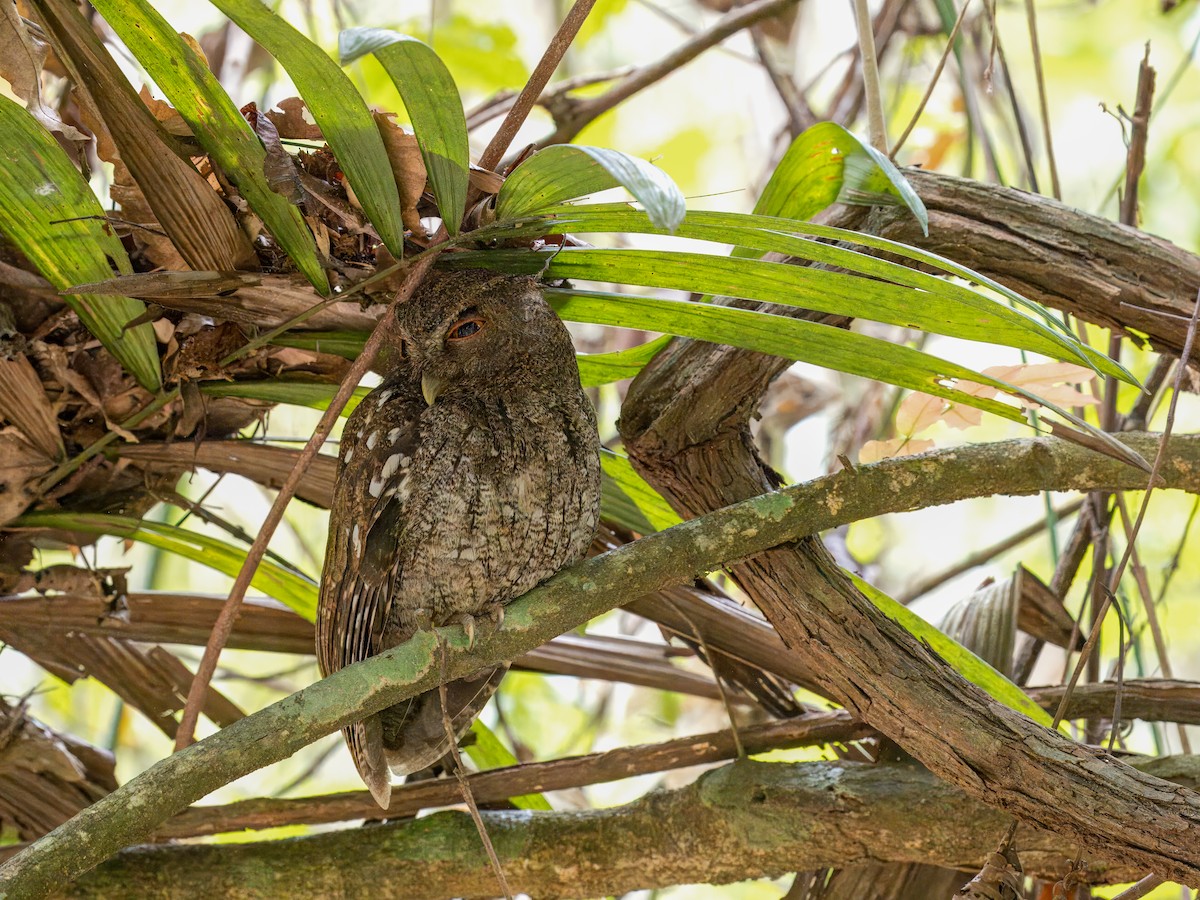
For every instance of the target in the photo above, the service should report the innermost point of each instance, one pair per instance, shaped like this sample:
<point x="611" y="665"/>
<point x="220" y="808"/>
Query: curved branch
<point x="745" y="820"/>
<point x="1146" y="817"/>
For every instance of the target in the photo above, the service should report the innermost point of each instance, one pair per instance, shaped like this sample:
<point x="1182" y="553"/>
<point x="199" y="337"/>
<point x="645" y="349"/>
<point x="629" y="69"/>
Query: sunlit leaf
<point x="828" y="164"/>
<point x="277" y="390"/>
<point x="284" y="585"/>
<point x="487" y="752"/>
<point x="966" y="663"/>
<point x="628" y="500"/>
<point x="564" y="171"/>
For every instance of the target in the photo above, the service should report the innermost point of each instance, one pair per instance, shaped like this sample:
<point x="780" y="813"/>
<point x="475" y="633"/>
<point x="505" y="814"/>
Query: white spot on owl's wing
<point x="393" y="435"/>
<point x="356" y="539"/>
<point x="372" y="438"/>
<point x="349" y="454"/>
<point x="384" y="397"/>
<point x="390" y="466"/>
<point x="375" y="488"/>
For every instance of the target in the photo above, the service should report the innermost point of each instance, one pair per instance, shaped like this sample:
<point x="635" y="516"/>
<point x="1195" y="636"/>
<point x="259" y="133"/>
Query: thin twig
<point x="1155" y="468"/>
<point x="1031" y="18"/>
<point x="1139" y="134"/>
<point x="224" y="623"/>
<point x="460" y="776"/>
<point x="937" y="73"/>
<point x="571" y="118"/>
<point x="799" y="113"/>
<point x="538" y="80"/>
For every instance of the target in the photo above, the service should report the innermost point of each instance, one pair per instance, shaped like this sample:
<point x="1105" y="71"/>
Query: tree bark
<point x="685" y="424"/>
<point x="743" y="820"/>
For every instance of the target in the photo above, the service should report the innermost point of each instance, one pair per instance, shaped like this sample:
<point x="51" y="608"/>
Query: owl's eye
<point x="465" y="328"/>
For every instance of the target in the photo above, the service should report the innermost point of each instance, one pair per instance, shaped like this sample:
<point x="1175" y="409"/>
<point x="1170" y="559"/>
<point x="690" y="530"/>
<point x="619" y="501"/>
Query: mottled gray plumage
<point x="448" y="509"/>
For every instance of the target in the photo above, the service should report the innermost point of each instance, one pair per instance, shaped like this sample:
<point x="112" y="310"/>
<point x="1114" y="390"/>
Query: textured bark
<point x="685" y="426"/>
<point x="1089" y="266"/>
<point x="745" y="820"/>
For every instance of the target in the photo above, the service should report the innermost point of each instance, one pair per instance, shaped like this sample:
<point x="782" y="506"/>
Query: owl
<point x="469" y="476"/>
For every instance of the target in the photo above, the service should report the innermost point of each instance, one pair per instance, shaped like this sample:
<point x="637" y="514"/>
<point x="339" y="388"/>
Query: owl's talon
<point x="468" y="624"/>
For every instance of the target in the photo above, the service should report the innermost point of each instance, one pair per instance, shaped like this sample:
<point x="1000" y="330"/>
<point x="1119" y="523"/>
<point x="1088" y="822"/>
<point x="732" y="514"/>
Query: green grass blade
<point x="627" y="499"/>
<point x="312" y="394"/>
<point x="338" y="109"/>
<point x="215" y="121"/>
<point x="595" y="369"/>
<point x="938" y="307"/>
<point x="828" y="164"/>
<point x="488" y="753"/>
<point x="51" y="215"/>
<point x="286" y="586"/>
<point x="434" y="107"/>
<point x="963" y="661"/>
<point x="766" y="233"/>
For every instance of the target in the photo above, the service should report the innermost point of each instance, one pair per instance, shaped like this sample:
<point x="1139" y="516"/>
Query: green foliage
<point x="338" y="109"/>
<point x="433" y="105"/>
<point x="51" y="215"/>
<point x="216" y="123"/>
<point x="828" y="164"/>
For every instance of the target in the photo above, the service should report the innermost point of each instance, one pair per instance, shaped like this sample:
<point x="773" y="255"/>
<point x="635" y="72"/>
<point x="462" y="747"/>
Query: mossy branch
<point x="128" y="815"/>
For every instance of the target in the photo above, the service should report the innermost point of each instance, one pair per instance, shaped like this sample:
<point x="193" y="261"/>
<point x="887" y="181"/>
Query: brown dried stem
<point x="538" y="80"/>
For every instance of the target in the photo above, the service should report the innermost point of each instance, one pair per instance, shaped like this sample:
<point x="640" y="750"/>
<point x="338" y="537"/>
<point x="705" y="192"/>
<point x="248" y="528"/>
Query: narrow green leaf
<point x="938" y="307"/>
<point x="627" y="499"/>
<point x="289" y="588"/>
<point x="221" y="130"/>
<point x="51" y="215"/>
<point x="966" y="663"/>
<point x="278" y="390"/>
<point x="338" y="109"/>
<point x="767" y="233"/>
<point x="564" y="171"/>
<point x="434" y="107"/>
<point x="828" y="164"/>
<point x="822" y="345"/>
<point x="595" y="369"/>
<point x="487" y="752"/>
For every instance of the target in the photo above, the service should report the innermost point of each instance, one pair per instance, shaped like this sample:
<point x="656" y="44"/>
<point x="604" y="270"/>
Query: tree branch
<point x="1138" y="811"/>
<point x="745" y="820"/>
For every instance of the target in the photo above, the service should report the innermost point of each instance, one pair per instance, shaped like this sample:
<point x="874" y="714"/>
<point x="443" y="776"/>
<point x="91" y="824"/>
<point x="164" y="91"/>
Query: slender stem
<point x="1155" y="468"/>
<point x="870" y="70"/>
<point x="1031" y="18"/>
<point x="229" y="612"/>
<point x="937" y="73"/>
<point x="537" y="83"/>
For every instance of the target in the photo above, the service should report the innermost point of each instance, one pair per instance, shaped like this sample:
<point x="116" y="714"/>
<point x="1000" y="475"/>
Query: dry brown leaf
<point x="1054" y="382"/>
<point x="294" y="121"/>
<point x="23" y="402"/>
<point x="21" y="59"/>
<point x="918" y="412"/>
<point x="408" y="168"/>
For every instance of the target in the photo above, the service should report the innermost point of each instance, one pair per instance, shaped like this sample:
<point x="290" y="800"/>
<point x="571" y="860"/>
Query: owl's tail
<point x="411" y="735"/>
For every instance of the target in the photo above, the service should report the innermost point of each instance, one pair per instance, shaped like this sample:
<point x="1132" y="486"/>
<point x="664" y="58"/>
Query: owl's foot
<point x="491" y="616"/>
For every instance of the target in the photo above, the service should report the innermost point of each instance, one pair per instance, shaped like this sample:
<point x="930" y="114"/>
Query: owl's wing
<point x="361" y="566"/>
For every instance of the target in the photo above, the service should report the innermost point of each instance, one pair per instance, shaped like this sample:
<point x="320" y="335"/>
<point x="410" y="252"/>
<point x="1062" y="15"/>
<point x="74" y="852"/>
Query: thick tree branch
<point x="1144" y="819"/>
<point x="1105" y="273"/>
<point x="744" y="820"/>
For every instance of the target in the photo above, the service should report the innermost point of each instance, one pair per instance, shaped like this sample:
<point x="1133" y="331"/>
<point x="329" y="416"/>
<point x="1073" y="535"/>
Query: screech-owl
<point x="469" y="476"/>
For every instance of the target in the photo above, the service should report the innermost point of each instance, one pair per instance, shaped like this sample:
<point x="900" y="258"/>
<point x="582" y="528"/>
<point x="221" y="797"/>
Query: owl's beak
<point x="431" y="386"/>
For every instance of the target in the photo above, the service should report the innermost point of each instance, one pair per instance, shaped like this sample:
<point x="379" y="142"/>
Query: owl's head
<point x="476" y="333"/>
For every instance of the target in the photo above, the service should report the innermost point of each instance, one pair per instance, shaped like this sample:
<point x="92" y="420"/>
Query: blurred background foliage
<point x="717" y="126"/>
